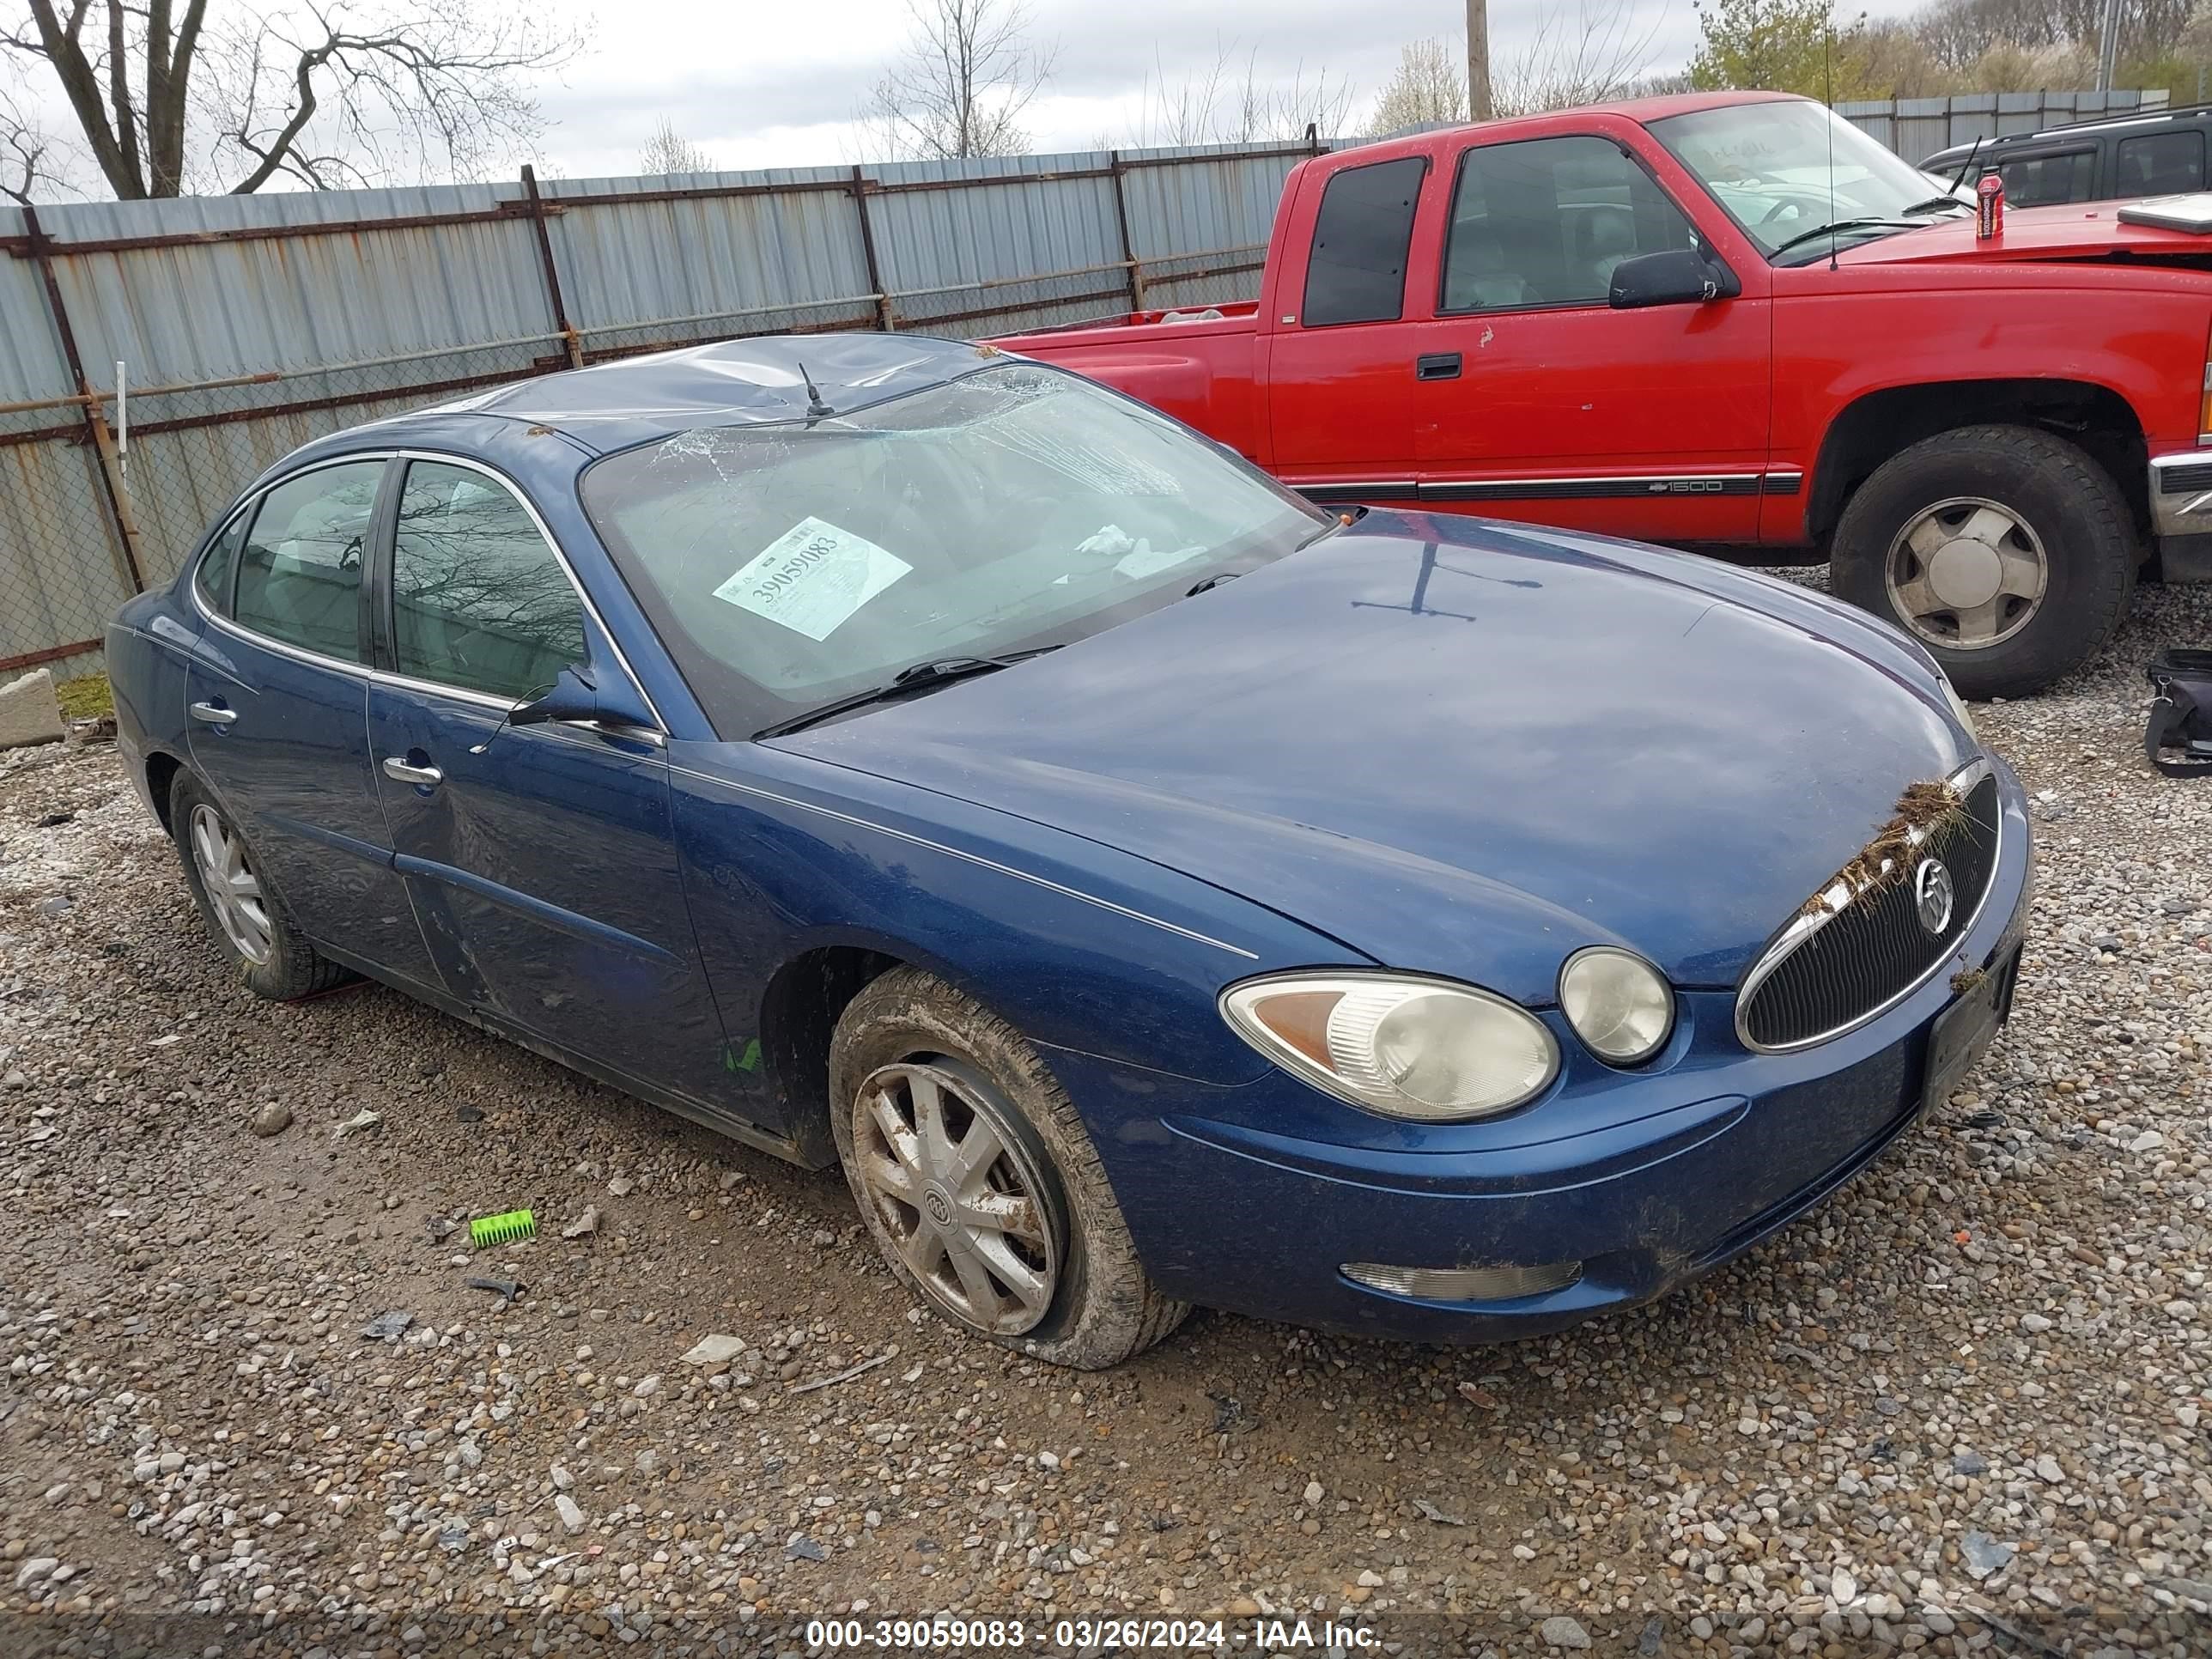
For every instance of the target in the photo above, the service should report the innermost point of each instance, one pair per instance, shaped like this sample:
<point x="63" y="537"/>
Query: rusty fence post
<point x="886" y="315"/>
<point x="128" y="566"/>
<point x="569" y="339"/>
<point x="1121" y="224"/>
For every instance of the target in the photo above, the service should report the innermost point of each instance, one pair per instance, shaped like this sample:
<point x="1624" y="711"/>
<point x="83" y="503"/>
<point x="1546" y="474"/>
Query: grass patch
<point x="86" y="699"/>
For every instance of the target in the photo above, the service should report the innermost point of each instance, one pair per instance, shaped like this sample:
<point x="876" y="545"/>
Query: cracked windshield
<point x="1012" y="509"/>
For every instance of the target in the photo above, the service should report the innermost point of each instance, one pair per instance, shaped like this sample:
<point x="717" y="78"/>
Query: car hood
<point x="1461" y="747"/>
<point x="2084" y="231"/>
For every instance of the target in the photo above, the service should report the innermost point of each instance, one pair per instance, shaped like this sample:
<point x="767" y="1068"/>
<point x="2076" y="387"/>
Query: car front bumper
<point x="1684" y="1166"/>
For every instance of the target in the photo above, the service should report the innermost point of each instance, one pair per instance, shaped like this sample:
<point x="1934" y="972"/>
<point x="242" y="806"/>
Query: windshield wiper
<point x="1207" y="584"/>
<point x="1936" y="202"/>
<point x="1835" y="225"/>
<point x="940" y="671"/>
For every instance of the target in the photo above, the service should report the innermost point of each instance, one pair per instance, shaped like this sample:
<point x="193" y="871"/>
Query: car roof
<point x="2119" y="121"/>
<point x="743" y="382"/>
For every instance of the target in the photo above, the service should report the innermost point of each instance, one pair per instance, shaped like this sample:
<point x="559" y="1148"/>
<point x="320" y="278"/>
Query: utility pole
<point x="2108" y="45"/>
<point x="1478" y="60"/>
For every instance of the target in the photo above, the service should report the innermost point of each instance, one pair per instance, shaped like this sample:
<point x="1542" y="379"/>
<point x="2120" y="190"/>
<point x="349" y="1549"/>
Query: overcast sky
<point x="776" y="85"/>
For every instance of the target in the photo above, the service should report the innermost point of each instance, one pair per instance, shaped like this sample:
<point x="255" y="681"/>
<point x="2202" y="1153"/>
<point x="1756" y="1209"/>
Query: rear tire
<point x="248" y="922"/>
<point x="2007" y="551"/>
<point x="909" y="1045"/>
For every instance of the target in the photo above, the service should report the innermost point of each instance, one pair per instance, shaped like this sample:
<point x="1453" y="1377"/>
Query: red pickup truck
<point x="1732" y="322"/>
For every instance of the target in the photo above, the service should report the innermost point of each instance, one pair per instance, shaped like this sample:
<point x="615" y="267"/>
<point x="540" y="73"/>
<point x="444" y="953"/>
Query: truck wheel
<point x="2007" y="551"/>
<point x="978" y="1181"/>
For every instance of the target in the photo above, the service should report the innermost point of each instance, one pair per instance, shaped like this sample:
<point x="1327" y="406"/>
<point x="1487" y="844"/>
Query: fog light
<point x="1465" y="1284"/>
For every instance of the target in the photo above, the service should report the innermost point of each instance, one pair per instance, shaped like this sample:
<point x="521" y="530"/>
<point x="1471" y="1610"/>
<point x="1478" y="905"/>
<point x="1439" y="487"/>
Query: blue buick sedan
<point x="1149" y="889"/>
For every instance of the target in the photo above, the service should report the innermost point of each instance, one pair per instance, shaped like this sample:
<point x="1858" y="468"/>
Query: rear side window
<point x="2161" y="163"/>
<point x="299" y="576"/>
<point x="478" y="599"/>
<point x="2050" y="181"/>
<point x="219" y="565"/>
<point x="1357" y="271"/>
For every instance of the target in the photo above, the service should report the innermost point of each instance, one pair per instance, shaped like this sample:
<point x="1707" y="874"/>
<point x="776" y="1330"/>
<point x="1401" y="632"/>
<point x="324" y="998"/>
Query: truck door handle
<point x="213" y="714"/>
<point x="396" y="766"/>
<point x="1437" y="366"/>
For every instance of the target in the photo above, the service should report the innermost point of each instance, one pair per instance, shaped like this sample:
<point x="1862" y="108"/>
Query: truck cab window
<point x="1356" y="272"/>
<point x="1544" y="221"/>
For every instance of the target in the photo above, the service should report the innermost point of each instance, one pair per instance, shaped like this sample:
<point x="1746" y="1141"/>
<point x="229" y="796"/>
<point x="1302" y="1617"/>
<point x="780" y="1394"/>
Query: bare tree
<point x="1233" y="101"/>
<point x="669" y="151"/>
<point x="1602" y="49"/>
<point x="27" y="154"/>
<point x="1428" y="87"/>
<point x="174" y="95"/>
<point x="960" y="84"/>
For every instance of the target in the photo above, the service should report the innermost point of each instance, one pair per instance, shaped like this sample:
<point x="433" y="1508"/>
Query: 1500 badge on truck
<point x="1731" y="322"/>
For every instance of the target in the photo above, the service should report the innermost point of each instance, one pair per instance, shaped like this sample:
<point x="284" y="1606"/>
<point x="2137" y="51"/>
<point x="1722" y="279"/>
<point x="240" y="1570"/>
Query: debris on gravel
<point x="1965" y="1407"/>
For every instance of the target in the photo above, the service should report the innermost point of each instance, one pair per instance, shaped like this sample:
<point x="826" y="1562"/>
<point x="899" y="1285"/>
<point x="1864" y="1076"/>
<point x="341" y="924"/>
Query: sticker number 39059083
<point x="812" y="578"/>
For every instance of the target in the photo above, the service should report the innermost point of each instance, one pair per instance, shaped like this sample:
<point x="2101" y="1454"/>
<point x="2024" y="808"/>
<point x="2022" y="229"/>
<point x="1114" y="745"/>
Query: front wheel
<point x="2004" y="550"/>
<point x="979" y="1182"/>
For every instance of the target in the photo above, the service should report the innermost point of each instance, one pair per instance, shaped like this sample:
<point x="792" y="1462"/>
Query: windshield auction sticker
<point x="812" y="578"/>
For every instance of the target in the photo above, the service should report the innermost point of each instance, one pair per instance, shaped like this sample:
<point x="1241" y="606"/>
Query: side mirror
<point x="574" y="697"/>
<point x="1676" y="276"/>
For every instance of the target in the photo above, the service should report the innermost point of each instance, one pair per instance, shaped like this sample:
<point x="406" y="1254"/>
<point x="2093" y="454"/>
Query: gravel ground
<point x="1963" y="1407"/>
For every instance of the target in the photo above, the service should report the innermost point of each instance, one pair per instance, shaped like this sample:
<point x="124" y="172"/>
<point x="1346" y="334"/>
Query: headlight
<point x="1407" y="1047"/>
<point x="1959" y="712"/>
<point x="1618" y="1003"/>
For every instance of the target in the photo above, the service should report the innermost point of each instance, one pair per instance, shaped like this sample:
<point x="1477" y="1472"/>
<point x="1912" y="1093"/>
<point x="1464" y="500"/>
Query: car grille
<point x="1827" y="971"/>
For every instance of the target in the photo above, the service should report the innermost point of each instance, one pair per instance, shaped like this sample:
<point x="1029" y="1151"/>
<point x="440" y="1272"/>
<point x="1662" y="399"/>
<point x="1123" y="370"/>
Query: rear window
<point x="1355" y="272"/>
<point x="2050" y="181"/>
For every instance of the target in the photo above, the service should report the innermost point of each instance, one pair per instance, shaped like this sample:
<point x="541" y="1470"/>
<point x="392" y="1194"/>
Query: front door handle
<point x="1437" y="366"/>
<point x="213" y="713"/>
<point x="396" y="766"/>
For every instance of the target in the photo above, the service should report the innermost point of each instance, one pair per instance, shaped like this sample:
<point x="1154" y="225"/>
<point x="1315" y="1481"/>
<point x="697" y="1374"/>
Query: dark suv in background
<point x="2158" y="152"/>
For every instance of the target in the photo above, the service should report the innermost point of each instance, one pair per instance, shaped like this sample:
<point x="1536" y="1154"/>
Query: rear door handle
<point x="1437" y="366"/>
<point x="396" y="766"/>
<point x="213" y="713"/>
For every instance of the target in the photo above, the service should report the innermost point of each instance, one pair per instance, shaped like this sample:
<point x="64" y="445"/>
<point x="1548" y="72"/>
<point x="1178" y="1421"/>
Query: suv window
<point x="1543" y="222"/>
<point x="219" y="564"/>
<point x="1355" y="272"/>
<point x="299" y="574"/>
<point x="2050" y="181"/>
<point x="478" y="599"/>
<point x="2160" y="163"/>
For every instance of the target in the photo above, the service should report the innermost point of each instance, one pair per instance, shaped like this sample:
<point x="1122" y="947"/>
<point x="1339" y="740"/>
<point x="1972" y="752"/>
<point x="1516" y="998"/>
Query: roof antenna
<point x="1967" y="165"/>
<point x="1828" y="98"/>
<point x="815" y="409"/>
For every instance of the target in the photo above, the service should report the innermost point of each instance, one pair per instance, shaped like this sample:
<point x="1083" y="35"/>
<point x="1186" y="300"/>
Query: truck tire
<point x="1021" y="1242"/>
<point x="2004" y="550"/>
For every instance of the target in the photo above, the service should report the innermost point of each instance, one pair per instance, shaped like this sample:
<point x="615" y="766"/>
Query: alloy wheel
<point x="1967" y="573"/>
<point x="958" y="1195"/>
<point x="233" y="889"/>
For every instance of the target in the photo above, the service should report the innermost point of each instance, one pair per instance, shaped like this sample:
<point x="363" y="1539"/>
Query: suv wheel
<point x="2005" y="550"/>
<point x="978" y="1181"/>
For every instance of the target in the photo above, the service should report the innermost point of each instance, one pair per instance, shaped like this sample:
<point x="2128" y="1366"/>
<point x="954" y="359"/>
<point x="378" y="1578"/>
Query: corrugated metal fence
<point x="1915" y="128"/>
<point x="249" y="325"/>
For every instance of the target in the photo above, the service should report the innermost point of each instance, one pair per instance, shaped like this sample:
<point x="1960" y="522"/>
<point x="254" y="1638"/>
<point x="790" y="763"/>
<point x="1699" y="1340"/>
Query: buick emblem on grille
<point x="1932" y="893"/>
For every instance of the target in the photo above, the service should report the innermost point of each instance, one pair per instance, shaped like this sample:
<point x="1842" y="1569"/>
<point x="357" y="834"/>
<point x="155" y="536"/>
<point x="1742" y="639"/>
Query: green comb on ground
<point x="502" y="1228"/>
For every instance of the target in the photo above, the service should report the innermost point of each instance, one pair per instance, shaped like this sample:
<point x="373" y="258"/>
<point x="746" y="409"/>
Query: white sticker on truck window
<point x="812" y="578"/>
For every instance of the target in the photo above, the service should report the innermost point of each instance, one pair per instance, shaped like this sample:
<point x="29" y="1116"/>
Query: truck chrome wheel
<point x="968" y="1213"/>
<point x="1966" y="574"/>
<point x="234" y="890"/>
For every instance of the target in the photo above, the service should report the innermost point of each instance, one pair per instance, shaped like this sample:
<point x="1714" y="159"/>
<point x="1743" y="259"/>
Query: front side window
<point x="478" y="599"/>
<point x="787" y="565"/>
<point x="1788" y="170"/>
<point x="2161" y="163"/>
<point x="1356" y="271"/>
<point x="1544" y="222"/>
<point x="298" y="571"/>
<point x="2050" y="181"/>
<point x="219" y="564"/>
